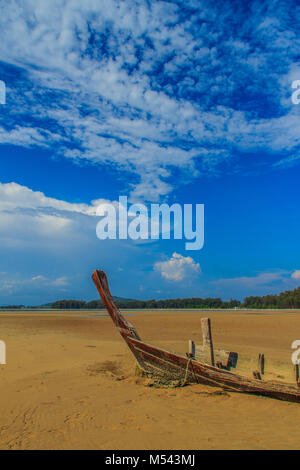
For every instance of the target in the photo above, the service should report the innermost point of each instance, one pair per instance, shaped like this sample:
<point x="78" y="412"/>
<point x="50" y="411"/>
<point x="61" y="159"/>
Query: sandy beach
<point x="69" y="383"/>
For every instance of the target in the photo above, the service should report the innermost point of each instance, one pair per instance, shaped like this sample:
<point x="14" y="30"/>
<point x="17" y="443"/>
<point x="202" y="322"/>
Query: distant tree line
<point x="287" y="299"/>
<point x="70" y="304"/>
<point x="12" y="307"/>
<point x="195" y="302"/>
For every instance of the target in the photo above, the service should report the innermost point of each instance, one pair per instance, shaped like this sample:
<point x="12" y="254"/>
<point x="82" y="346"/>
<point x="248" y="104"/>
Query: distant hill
<point x="123" y="299"/>
<point x="66" y="304"/>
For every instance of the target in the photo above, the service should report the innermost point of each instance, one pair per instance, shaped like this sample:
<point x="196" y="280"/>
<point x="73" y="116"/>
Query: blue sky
<point x="186" y="102"/>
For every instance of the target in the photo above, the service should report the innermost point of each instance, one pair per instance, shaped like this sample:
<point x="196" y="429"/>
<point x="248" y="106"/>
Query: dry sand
<point x="69" y="383"/>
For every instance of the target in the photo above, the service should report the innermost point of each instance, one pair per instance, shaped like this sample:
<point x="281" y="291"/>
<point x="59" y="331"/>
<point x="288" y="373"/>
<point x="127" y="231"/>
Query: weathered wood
<point x="2" y="352"/>
<point x="101" y="283"/>
<point x="233" y="358"/>
<point x="256" y="375"/>
<point x="228" y="359"/>
<point x="261" y="363"/>
<point x="296" y="367"/>
<point x="191" y="348"/>
<point x="207" y="340"/>
<point x="160" y="362"/>
<point x="203" y="373"/>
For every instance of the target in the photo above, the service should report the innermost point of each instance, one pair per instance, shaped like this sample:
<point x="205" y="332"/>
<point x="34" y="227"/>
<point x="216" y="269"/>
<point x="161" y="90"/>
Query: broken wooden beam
<point x="261" y="363"/>
<point x="256" y="375"/>
<point x="296" y="368"/>
<point x="207" y="340"/>
<point x="207" y="354"/>
<point x="228" y="359"/>
<point x="192" y="349"/>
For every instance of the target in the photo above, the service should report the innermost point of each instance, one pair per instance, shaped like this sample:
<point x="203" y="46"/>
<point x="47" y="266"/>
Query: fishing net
<point x="170" y="376"/>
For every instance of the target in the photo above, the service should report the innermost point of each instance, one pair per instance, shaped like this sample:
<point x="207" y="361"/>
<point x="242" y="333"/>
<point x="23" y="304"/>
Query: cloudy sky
<point x="162" y="101"/>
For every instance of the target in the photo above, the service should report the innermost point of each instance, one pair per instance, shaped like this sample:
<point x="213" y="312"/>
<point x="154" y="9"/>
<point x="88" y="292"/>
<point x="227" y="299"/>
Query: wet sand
<point x="69" y="383"/>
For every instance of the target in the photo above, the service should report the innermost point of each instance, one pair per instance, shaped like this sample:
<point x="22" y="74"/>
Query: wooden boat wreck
<point x="201" y="365"/>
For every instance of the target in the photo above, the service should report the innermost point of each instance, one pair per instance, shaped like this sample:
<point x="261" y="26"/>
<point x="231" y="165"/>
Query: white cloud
<point x="60" y="281"/>
<point x="13" y="196"/>
<point x="31" y="222"/>
<point x="177" y="267"/>
<point x="261" y="279"/>
<point x="27" y="214"/>
<point x="100" y="61"/>
<point x="15" y="284"/>
<point x="52" y="242"/>
<point x="262" y="283"/>
<point x="38" y="277"/>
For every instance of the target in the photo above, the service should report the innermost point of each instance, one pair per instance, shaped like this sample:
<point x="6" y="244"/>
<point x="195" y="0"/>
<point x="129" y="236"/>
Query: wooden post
<point x="297" y="374"/>
<point x="191" y="348"/>
<point x="207" y="340"/>
<point x="261" y="363"/>
<point x="2" y="352"/>
<point x="256" y="375"/>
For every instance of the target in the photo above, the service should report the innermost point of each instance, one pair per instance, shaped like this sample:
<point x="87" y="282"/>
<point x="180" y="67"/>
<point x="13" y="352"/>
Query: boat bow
<point x="101" y="283"/>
